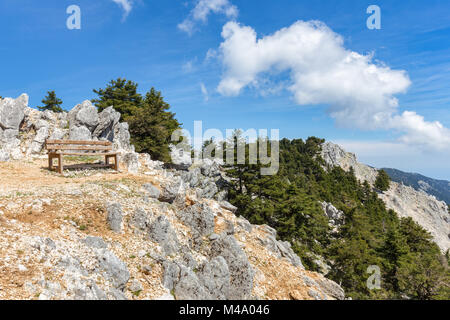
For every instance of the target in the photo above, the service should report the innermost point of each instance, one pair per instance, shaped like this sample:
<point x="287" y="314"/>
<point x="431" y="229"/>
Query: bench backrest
<point x="82" y="145"/>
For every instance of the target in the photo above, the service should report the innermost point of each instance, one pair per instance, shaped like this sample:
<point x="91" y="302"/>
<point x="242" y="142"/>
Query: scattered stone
<point x="213" y="236"/>
<point x="115" y="269"/>
<point x="199" y="217"/>
<point x="171" y="274"/>
<point x="115" y="217"/>
<point x="153" y="192"/>
<point x="241" y="271"/>
<point x="228" y="206"/>
<point x="22" y="268"/>
<point x="135" y="286"/>
<point x="170" y="190"/>
<point x="140" y="220"/>
<point x="95" y="242"/>
<point x="161" y="231"/>
<point x="131" y="161"/>
<point x="215" y="277"/>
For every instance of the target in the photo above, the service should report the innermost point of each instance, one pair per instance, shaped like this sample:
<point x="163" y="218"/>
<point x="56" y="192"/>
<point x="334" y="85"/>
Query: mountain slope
<point x="438" y="188"/>
<point x="423" y="208"/>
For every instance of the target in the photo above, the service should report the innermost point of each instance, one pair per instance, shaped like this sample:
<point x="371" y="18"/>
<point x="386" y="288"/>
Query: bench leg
<point x="107" y="160"/>
<point x="116" y="162"/>
<point x="60" y="163"/>
<point x="50" y="162"/>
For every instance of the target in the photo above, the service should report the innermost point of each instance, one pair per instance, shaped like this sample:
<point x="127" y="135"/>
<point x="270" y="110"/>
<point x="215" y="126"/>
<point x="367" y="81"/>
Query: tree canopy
<point x="382" y="181"/>
<point x="122" y="95"/>
<point x="51" y="102"/>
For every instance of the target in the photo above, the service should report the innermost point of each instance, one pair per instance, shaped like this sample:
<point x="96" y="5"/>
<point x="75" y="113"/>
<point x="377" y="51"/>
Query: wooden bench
<point x="59" y="148"/>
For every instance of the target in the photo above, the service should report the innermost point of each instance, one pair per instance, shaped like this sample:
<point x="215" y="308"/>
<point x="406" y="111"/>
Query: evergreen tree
<point x="51" y="102"/>
<point x="382" y="181"/>
<point x="122" y="95"/>
<point x="152" y="125"/>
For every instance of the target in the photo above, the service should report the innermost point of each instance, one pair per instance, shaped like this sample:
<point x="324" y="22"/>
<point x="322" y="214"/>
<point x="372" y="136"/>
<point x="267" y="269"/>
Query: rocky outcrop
<point x="336" y="217"/>
<point x="425" y="209"/>
<point x="12" y="113"/>
<point x="23" y="130"/>
<point x="335" y="156"/>
<point x="208" y="178"/>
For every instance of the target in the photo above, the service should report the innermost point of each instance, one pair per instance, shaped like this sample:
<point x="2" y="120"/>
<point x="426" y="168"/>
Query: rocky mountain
<point x="425" y="209"/>
<point x="438" y="188"/>
<point x="145" y="232"/>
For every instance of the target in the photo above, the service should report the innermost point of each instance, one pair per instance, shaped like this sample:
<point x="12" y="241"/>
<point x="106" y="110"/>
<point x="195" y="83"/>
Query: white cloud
<point x="420" y="132"/>
<point x="359" y="92"/>
<point x="126" y="5"/>
<point x="203" y="9"/>
<point x="204" y="92"/>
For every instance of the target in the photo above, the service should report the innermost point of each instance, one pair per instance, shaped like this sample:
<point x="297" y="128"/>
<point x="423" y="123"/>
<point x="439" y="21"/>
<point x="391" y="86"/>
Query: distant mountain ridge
<point x="425" y="209"/>
<point x="438" y="188"/>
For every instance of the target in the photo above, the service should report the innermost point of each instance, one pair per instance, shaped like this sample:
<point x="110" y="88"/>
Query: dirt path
<point x="24" y="176"/>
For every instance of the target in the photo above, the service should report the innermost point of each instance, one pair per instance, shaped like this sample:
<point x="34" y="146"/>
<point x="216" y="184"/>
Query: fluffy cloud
<point x="203" y="9"/>
<point x="359" y="92"/>
<point x="126" y="5"/>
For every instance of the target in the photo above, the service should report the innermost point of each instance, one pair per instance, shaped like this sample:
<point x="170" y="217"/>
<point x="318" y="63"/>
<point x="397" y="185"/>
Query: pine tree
<point x="51" y="102"/>
<point x="122" y="95"/>
<point x="152" y="125"/>
<point x="382" y="181"/>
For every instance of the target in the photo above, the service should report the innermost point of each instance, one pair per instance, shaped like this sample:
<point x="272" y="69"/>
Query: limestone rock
<point x="115" y="269"/>
<point x="131" y="161"/>
<point x="79" y="133"/>
<point x="12" y="112"/>
<point x="108" y="119"/>
<point x="170" y="190"/>
<point x="84" y="115"/>
<point x="199" y="217"/>
<point x="95" y="242"/>
<point x="241" y="271"/>
<point x="153" y="191"/>
<point x="115" y="217"/>
<point x="162" y="232"/>
<point x="215" y="277"/>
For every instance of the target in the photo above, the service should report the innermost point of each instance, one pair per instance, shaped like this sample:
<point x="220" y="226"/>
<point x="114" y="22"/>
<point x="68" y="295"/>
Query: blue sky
<point x="147" y="45"/>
